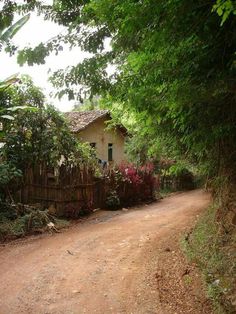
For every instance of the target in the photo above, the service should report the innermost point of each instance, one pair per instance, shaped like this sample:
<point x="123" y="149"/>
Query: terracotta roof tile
<point x="79" y="120"/>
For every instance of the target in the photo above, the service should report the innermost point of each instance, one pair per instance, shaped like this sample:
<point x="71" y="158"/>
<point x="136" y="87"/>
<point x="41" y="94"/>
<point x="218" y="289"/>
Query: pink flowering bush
<point x="131" y="174"/>
<point x="132" y="184"/>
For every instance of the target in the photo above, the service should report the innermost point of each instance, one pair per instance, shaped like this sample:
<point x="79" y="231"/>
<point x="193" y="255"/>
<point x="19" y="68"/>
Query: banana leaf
<point x="12" y="30"/>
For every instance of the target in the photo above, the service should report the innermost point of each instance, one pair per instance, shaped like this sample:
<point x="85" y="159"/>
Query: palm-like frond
<point x="9" y="81"/>
<point x="13" y="29"/>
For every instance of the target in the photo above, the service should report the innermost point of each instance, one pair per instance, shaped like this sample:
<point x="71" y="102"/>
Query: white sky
<point x="37" y="30"/>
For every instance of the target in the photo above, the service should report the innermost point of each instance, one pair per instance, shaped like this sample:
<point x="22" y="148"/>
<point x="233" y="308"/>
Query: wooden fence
<point x="177" y="183"/>
<point x="74" y="191"/>
<point x="70" y="191"/>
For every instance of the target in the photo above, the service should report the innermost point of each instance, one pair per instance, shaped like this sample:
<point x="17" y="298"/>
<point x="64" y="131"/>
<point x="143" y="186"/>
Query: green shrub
<point x="35" y="221"/>
<point x="9" y="177"/>
<point x="113" y="200"/>
<point x="7" y="212"/>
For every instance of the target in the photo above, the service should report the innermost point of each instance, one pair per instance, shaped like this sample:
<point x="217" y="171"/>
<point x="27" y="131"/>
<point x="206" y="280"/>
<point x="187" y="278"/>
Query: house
<point x="91" y="126"/>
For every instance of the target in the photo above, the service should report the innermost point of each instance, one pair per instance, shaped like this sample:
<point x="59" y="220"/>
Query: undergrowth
<point x="213" y="251"/>
<point x="31" y="223"/>
<point x="165" y="192"/>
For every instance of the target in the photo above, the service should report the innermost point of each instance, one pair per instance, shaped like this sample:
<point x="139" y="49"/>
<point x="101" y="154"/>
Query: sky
<point x="37" y="30"/>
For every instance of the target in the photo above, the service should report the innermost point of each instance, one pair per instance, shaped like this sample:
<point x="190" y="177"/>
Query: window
<point x="93" y="145"/>
<point x="110" y="152"/>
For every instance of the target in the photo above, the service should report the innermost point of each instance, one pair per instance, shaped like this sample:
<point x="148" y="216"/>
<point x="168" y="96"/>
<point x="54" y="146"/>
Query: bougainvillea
<point x="132" y="183"/>
<point x="131" y="173"/>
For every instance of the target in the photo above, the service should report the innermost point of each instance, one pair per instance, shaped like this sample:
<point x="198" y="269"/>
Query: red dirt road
<point x="111" y="263"/>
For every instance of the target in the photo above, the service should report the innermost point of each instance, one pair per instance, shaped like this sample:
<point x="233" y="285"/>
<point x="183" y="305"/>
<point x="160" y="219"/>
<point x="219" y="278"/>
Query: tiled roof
<point x="79" y="120"/>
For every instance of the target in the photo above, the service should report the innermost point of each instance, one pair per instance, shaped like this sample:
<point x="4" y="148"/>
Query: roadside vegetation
<point x="18" y="221"/>
<point x="212" y="248"/>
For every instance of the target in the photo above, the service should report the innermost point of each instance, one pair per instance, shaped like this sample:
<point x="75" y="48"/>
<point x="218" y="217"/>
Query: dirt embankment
<point x="115" y="262"/>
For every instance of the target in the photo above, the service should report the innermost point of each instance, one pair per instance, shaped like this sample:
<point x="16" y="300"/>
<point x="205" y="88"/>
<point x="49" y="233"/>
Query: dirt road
<point x="114" y="262"/>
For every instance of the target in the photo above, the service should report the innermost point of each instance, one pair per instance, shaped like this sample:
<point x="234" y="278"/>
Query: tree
<point x="7" y="32"/>
<point x="39" y="136"/>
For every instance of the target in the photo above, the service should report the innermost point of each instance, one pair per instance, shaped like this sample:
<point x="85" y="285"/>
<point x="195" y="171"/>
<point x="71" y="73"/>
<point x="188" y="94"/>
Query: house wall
<point x="96" y="133"/>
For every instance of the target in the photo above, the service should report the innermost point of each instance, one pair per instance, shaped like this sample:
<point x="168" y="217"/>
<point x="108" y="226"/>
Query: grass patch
<point x="213" y="250"/>
<point x="61" y="223"/>
<point x="165" y="192"/>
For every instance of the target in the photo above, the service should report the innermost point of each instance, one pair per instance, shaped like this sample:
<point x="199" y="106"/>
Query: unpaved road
<point x="115" y="262"/>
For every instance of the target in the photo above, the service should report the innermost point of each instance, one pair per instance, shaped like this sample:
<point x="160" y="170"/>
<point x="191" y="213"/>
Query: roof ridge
<point x="79" y="120"/>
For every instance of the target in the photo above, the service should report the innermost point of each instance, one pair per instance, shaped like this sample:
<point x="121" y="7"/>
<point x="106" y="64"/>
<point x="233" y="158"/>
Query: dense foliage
<point x="34" y="135"/>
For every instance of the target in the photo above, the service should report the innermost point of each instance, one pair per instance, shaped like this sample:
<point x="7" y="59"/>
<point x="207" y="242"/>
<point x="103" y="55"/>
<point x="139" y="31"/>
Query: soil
<point x="126" y="261"/>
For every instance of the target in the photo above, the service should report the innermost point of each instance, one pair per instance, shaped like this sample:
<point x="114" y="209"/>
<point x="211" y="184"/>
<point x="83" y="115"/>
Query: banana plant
<point x="4" y="85"/>
<point x="8" y="113"/>
<point x="9" y="81"/>
<point x="6" y="35"/>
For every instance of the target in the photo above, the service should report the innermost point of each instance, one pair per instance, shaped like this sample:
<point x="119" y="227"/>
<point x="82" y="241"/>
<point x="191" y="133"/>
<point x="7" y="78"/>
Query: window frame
<point x="110" y="152"/>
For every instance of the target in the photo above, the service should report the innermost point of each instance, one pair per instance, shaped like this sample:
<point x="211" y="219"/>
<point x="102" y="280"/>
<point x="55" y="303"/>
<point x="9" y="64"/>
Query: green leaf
<point x="12" y="30"/>
<point x="15" y="108"/>
<point x="9" y="81"/>
<point x="7" y="117"/>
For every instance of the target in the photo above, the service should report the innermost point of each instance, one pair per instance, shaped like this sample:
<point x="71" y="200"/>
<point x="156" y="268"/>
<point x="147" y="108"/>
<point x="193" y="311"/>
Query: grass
<point x="165" y="192"/>
<point x="211" y="248"/>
